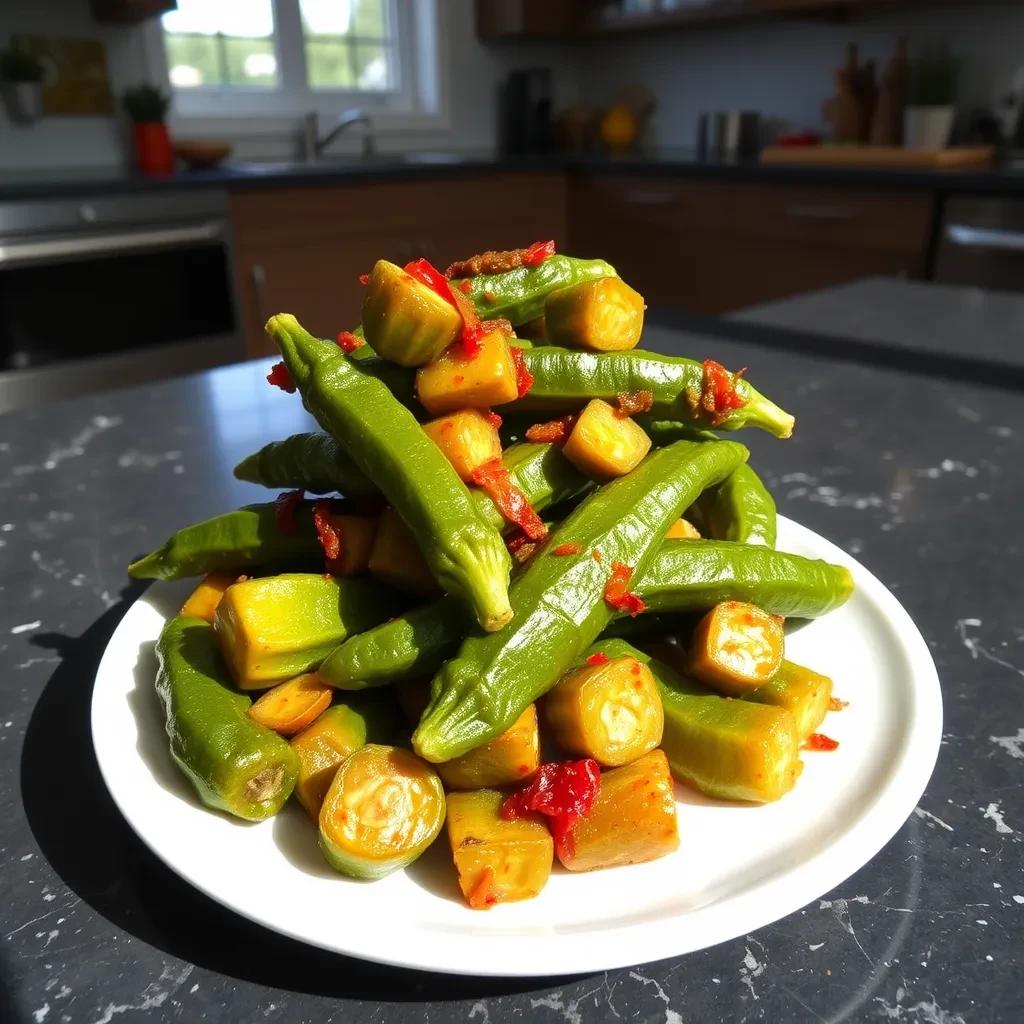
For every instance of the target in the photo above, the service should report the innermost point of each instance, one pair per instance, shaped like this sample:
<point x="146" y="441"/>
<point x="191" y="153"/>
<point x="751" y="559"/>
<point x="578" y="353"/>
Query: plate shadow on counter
<point x="92" y="848"/>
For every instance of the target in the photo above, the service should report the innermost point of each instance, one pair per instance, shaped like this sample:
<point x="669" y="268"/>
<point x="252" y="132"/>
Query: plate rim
<point x="768" y="901"/>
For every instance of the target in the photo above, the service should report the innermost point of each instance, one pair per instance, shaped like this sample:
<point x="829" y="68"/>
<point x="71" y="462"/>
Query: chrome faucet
<point x="313" y="145"/>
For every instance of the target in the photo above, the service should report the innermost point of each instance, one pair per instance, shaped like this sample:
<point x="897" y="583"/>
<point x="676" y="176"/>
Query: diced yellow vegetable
<point x="292" y="706"/>
<point x="497" y="861"/>
<point x="203" y="601"/>
<point x="682" y="529"/>
<point x="604" y="444"/>
<point x="800" y="690"/>
<point x="632" y="820"/>
<point x="467" y="438"/>
<point x="457" y="382"/>
<point x="396" y="558"/>
<point x="736" y="648"/>
<point x="511" y="757"/>
<point x="404" y="320"/>
<point x="321" y="748"/>
<point x="603" y="315"/>
<point x="610" y="712"/>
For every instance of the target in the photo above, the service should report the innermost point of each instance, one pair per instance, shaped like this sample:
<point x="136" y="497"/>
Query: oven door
<point x="88" y="310"/>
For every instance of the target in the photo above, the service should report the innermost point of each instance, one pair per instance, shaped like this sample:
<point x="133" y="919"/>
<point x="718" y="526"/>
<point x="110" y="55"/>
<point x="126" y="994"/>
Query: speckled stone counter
<point x="920" y="478"/>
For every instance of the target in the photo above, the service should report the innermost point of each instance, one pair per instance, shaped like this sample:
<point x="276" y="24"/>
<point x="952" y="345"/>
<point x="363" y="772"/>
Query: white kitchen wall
<point x="784" y="68"/>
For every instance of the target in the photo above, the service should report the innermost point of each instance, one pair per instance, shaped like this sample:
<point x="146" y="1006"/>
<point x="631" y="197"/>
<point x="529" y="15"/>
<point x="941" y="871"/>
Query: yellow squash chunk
<point x="509" y="758"/>
<point x="404" y="320"/>
<point x="383" y="809"/>
<point x="203" y="601"/>
<point x="396" y="557"/>
<point x="632" y="820"/>
<point x="801" y="691"/>
<point x="292" y="706"/>
<point x="610" y="712"/>
<point x="682" y="529"/>
<point x="604" y="444"/>
<point x="497" y="861"/>
<point x="467" y="438"/>
<point x="457" y="382"/>
<point x="603" y="315"/>
<point x="736" y="648"/>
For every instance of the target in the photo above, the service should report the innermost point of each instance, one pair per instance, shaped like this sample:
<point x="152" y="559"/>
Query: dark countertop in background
<point x="920" y="476"/>
<point x="50" y="184"/>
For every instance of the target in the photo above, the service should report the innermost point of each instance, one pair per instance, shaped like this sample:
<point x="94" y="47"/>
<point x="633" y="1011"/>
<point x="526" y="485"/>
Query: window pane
<point x="329" y="64"/>
<point x="369" y="19"/>
<point x="250" y="61"/>
<point x="192" y="61"/>
<point x="372" y="66"/>
<point x="244" y="18"/>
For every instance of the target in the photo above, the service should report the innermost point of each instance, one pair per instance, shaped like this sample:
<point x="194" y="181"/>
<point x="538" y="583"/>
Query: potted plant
<point x="146" y="105"/>
<point x="928" y="119"/>
<point x="22" y="75"/>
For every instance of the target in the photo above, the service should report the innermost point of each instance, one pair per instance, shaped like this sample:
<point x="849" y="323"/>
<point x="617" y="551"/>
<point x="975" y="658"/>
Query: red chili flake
<point x="466" y="286"/>
<point x="493" y="478"/>
<point x="490" y="297"/>
<point x="281" y="378"/>
<point x="521" y="547"/>
<point x="636" y="668"/>
<point x="285" y="507"/>
<point x="598" y="659"/>
<point x="617" y="593"/>
<point x="524" y="379"/>
<point x="524" y="769"/>
<point x="718" y="394"/>
<point x="482" y="895"/>
<point x="596" y="555"/>
<point x="562" y="791"/>
<point x="566" y="549"/>
<point x="458" y="378"/>
<point x="835" y="704"/>
<point x="629" y="403"/>
<point x="819" y="741"/>
<point x="553" y="431"/>
<point x="364" y="279"/>
<point x="493" y="418"/>
<point x="537" y="253"/>
<point x="328" y="532"/>
<point x="349" y="342"/>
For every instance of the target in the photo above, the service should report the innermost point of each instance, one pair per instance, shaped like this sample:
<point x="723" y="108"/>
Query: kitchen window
<point x="264" y="60"/>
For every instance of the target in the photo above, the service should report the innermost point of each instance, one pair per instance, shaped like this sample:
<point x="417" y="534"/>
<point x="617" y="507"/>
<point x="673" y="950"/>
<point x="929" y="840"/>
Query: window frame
<point x="417" y="103"/>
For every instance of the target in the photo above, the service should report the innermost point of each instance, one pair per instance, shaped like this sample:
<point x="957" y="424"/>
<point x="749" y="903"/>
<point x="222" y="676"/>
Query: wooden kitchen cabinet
<point x="712" y="246"/>
<point x="301" y="250"/>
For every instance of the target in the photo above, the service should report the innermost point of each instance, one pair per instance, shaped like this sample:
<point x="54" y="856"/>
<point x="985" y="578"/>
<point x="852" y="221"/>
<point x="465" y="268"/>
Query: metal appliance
<point x="981" y="242"/>
<point x="106" y="291"/>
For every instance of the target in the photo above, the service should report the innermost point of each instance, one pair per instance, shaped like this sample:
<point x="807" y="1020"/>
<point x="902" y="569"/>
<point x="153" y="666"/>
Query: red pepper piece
<point x="466" y="286"/>
<point x="597" y="555"/>
<point x="537" y="253"/>
<point x="349" y="342"/>
<point x="281" y="378"/>
<point x="629" y="403"/>
<point x="835" y="704"/>
<point x="364" y="279"/>
<point x="617" y="593"/>
<point x="426" y="273"/>
<point x="493" y="418"/>
<point x="598" y="659"/>
<point x="819" y="741"/>
<point x="718" y="393"/>
<point x="566" y="549"/>
<point x="328" y="533"/>
<point x="524" y="379"/>
<point x="553" y="431"/>
<point x="562" y="791"/>
<point x="285" y="507"/>
<point x="493" y="478"/>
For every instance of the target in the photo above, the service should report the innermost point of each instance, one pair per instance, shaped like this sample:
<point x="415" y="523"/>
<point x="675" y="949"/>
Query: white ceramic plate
<point x="738" y="867"/>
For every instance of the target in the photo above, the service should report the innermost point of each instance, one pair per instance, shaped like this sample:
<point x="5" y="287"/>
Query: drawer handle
<point x="811" y="211"/>
<point x="642" y="197"/>
<point x="985" y="238"/>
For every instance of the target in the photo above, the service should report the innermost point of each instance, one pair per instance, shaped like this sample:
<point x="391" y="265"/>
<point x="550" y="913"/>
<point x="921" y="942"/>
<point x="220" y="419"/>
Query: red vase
<point x="153" y="153"/>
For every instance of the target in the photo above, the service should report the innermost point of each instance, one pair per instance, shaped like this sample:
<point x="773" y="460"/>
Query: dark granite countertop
<point x="51" y="184"/>
<point x="920" y="476"/>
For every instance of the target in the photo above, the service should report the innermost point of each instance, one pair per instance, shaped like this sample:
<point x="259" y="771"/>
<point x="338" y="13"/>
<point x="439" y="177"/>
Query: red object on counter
<point x="153" y="153"/>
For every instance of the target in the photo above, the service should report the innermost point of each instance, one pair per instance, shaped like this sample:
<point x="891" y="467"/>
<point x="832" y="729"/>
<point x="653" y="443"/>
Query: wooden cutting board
<point x="880" y="156"/>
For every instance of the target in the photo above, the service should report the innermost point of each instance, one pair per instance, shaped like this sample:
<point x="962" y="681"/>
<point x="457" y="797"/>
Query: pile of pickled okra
<point x="532" y="587"/>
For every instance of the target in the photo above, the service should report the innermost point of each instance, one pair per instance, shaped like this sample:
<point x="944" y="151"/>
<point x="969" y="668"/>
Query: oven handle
<point x="985" y="238"/>
<point x="52" y="249"/>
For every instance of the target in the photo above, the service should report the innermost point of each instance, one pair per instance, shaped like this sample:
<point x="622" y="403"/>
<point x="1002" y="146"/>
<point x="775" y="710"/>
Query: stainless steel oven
<point x="105" y="291"/>
<point x="982" y="242"/>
